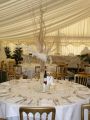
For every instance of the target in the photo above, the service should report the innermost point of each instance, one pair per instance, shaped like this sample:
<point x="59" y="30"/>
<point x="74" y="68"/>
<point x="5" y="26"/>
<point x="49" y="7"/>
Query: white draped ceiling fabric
<point x="19" y="19"/>
<point x="16" y="16"/>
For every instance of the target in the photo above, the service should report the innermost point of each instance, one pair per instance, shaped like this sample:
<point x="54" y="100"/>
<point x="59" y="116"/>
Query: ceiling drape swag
<point x="16" y="18"/>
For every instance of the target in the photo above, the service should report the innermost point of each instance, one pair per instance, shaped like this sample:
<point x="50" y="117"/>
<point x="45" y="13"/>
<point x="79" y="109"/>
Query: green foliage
<point x="7" y="52"/>
<point x="85" y="57"/>
<point x="18" y="55"/>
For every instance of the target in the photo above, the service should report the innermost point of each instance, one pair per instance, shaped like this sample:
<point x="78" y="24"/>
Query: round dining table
<point x="64" y="95"/>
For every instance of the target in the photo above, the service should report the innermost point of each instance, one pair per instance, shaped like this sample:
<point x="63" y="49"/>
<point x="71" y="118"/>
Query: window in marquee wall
<point x="73" y="49"/>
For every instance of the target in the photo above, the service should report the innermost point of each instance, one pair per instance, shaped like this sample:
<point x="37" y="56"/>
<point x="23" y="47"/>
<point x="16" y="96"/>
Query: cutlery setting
<point x="21" y="101"/>
<point x="30" y="101"/>
<point x="80" y="97"/>
<point x="66" y="98"/>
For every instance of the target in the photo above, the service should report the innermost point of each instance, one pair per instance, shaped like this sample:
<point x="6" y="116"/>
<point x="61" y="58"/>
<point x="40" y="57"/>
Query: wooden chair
<point x="83" y="107"/>
<point x="54" y="74"/>
<point x="18" y="71"/>
<point x="10" y="63"/>
<point x="37" y="72"/>
<point x="35" y="110"/>
<point x="11" y="69"/>
<point x="11" y="73"/>
<point x="61" y="71"/>
<point x="3" y="65"/>
<point x="81" y="79"/>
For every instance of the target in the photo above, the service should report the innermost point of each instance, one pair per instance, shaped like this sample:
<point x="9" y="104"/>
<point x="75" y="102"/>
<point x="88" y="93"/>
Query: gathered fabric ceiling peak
<point x="20" y="19"/>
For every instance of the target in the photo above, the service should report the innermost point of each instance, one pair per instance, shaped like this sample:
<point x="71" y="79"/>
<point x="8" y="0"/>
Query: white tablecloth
<point x="66" y="97"/>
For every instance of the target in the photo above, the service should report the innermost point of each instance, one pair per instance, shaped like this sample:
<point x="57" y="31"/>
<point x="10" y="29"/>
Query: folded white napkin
<point x="3" y="91"/>
<point x="50" y="80"/>
<point x="5" y="83"/>
<point x="4" y="94"/>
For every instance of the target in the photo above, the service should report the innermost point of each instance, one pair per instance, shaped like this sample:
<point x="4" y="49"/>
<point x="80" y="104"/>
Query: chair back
<point x="83" y="107"/>
<point x="35" y="110"/>
<point x="61" y="70"/>
<point x="11" y="73"/>
<point x="37" y="72"/>
<point x="37" y="69"/>
<point x="81" y="79"/>
<point x="11" y="63"/>
<point x="3" y="65"/>
<point x="18" y="71"/>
